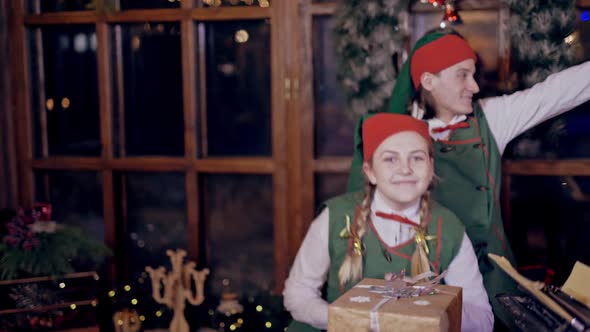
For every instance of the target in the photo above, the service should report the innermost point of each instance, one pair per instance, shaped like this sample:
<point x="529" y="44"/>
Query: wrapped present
<point x="379" y="305"/>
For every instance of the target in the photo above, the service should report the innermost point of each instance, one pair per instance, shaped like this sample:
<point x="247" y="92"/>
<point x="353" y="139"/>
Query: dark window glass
<point x="151" y="63"/>
<point x="147" y="4"/>
<point x="49" y="6"/>
<point x="240" y="232"/>
<point x="238" y="121"/>
<point x="156" y="218"/>
<point x="328" y="186"/>
<point x="64" y="89"/>
<point x="334" y="125"/>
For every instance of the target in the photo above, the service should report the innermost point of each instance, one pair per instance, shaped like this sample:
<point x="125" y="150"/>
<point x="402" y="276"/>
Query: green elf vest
<point x="444" y="226"/>
<point x="469" y="167"/>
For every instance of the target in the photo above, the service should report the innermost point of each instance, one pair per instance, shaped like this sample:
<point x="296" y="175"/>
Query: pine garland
<point x="367" y="37"/>
<point x="543" y="42"/>
<point x="57" y="254"/>
<point x="542" y="37"/>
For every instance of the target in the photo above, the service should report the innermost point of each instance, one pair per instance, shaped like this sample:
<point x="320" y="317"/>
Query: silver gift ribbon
<point x="374" y="327"/>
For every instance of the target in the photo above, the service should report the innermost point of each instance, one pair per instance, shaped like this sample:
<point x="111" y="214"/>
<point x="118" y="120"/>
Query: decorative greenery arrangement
<point x="543" y="38"/>
<point x="544" y="41"/>
<point x="368" y="39"/>
<point x="25" y="252"/>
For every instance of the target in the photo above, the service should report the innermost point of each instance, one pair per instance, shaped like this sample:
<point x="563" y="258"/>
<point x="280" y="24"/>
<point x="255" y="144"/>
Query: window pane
<point x="156" y="218"/>
<point x="328" y="186"/>
<point x="153" y="120"/>
<point x="49" y="6"/>
<point x="76" y="199"/>
<point x="238" y="89"/>
<point x="240" y="232"/>
<point x="217" y="3"/>
<point x="550" y="221"/>
<point x="144" y="4"/>
<point x="334" y="126"/>
<point x="64" y="59"/>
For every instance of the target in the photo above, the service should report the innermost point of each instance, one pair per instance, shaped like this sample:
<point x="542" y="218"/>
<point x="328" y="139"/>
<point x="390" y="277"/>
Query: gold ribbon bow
<point x="421" y="240"/>
<point x="346" y="233"/>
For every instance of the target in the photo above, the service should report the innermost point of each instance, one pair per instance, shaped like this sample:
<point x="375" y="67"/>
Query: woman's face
<point x="452" y="90"/>
<point x="401" y="169"/>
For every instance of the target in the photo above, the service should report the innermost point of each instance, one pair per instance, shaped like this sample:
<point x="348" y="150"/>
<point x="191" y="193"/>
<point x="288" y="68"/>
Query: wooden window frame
<point x="190" y="164"/>
<point x="292" y="164"/>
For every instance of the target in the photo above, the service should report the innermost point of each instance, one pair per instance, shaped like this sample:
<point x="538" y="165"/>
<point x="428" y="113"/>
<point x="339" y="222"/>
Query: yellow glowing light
<point x="120" y="322"/>
<point x="49" y="104"/>
<point x="232" y="327"/>
<point x="570" y="39"/>
<point x="93" y="303"/>
<point x="135" y="42"/>
<point x="210" y="312"/>
<point x="158" y="313"/>
<point x="62" y="285"/>
<point x="112" y="293"/>
<point x="268" y="325"/>
<point x="65" y="102"/>
<point x="240" y="321"/>
<point x="72" y="306"/>
<point x="134" y="301"/>
<point x="264" y="3"/>
<point x="259" y="308"/>
<point x="142" y="318"/>
<point x="127" y="288"/>
<point x="241" y="36"/>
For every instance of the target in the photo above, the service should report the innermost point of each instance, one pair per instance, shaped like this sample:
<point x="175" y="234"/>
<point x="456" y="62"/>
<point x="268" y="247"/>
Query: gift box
<point x="363" y="309"/>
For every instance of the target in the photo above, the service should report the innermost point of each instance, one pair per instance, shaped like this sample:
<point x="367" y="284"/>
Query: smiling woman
<point x="388" y="228"/>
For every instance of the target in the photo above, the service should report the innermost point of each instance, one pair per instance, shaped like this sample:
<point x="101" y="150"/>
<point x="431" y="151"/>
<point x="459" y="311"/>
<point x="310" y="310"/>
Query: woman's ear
<point x="426" y="80"/>
<point x="369" y="173"/>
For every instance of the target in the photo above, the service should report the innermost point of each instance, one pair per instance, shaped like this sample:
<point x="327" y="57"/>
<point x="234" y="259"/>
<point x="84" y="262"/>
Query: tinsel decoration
<point x="369" y="40"/>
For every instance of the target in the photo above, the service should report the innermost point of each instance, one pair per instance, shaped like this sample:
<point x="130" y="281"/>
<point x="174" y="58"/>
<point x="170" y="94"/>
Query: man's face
<point x="452" y="90"/>
<point x="401" y="168"/>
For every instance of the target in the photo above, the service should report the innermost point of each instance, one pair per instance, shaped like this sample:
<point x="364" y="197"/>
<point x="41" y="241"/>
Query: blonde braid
<point x="352" y="266"/>
<point x="420" y="262"/>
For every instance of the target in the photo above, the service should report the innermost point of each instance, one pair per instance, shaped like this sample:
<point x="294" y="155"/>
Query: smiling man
<point x="437" y="85"/>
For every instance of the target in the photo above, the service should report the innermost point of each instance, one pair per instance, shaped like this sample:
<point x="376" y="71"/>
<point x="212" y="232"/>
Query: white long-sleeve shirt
<point x="510" y="115"/>
<point x="302" y="293"/>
